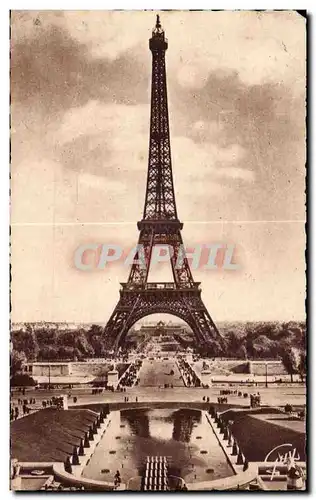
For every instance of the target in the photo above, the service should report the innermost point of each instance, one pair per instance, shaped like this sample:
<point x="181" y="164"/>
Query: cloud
<point x="108" y="34"/>
<point x="267" y="122"/>
<point x="236" y="173"/>
<point x="111" y="141"/>
<point x="105" y="185"/>
<point x="225" y="134"/>
<point x="203" y="160"/>
<point x="91" y="52"/>
<point x="262" y="47"/>
<point x="52" y="71"/>
<point x="95" y="118"/>
<point x="104" y="139"/>
<point x="193" y="76"/>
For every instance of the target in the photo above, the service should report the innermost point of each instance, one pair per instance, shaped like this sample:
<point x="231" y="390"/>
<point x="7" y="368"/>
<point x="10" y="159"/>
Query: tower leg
<point x="185" y="304"/>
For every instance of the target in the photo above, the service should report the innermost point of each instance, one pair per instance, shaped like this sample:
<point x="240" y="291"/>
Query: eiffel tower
<point x="160" y="225"/>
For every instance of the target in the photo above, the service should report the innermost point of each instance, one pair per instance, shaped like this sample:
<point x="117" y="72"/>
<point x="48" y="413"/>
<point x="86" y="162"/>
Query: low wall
<point x="49" y="369"/>
<point x="88" y="484"/>
<point x="84" y="368"/>
<point x="55" y="369"/>
<point x="239" y="481"/>
<point x="146" y="405"/>
<point x="273" y="368"/>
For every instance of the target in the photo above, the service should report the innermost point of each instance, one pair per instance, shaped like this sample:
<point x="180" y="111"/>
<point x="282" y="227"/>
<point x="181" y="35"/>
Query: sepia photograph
<point x="157" y="250"/>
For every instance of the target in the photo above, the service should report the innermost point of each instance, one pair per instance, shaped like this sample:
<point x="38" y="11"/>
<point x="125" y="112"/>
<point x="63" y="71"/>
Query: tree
<point x="22" y="380"/>
<point x="31" y="346"/>
<point x="97" y="341"/>
<point x="264" y="347"/>
<point x="99" y="347"/>
<point x="48" y="353"/>
<point x="77" y="356"/>
<point x="233" y="343"/>
<point x="69" y="338"/>
<point x="290" y="359"/>
<point x="95" y="330"/>
<point x="302" y="365"/>
<point x="47" y="336"/>
<point x="65" y="352"/>
<point x="243" y="352"/>
<point x="17" y="362"/>
<point x="249" y="346"/>
<point x="83" y="344"/>
<point x="26" y="341"/>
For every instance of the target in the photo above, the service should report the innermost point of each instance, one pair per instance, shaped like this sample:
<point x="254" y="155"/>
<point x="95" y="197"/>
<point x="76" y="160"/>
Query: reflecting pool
<point x="184" y="436"/>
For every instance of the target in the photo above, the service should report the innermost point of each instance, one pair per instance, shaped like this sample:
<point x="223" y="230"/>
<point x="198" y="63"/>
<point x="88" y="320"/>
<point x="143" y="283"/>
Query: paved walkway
<point x="157" y="373"/>
<point x="272" y="396"/>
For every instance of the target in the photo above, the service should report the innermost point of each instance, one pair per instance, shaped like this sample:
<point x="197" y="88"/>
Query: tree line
<point x="249" y="340"/>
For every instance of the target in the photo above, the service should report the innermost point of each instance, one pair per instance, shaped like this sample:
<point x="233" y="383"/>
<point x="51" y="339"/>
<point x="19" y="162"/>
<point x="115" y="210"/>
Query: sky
<point x="80" y="108"/>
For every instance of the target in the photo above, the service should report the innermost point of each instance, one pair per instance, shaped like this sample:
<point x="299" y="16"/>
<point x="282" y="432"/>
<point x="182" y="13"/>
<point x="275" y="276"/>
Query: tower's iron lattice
<point x="160" y="225"/>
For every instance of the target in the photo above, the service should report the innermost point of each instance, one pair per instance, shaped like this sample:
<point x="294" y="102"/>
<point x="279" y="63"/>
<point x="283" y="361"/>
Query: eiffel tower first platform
<point x="160" y="225"/>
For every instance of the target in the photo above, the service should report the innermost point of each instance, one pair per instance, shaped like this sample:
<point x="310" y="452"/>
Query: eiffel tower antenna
<point x="160" y="225"/>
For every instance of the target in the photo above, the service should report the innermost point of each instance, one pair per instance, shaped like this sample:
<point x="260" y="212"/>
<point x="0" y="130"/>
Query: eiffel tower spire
<point x="159" y="200"/>
<point x="160" y="225"/>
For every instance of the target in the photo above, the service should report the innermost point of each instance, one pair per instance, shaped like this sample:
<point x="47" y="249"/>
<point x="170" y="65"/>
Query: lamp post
<point x="266" y="374"/>
<point x="49" y="377"/>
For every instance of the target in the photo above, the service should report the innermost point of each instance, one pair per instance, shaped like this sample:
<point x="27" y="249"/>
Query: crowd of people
<point x="255" y="400"/>
<point x="130" y="376"/>
<point x="100" y="390"/>
<point x="189" y="375"/>
<point x="17" y="412"/>
<point x="222" y="400"/>
<point x="24" y="406"/>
